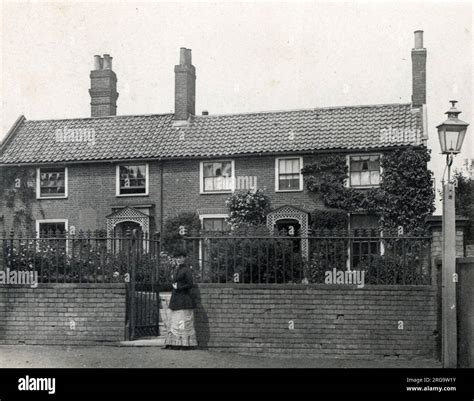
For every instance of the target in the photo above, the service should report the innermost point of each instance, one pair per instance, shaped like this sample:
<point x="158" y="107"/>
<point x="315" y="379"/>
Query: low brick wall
<point x="71" y="314"/>
<point x="328" y="320"/>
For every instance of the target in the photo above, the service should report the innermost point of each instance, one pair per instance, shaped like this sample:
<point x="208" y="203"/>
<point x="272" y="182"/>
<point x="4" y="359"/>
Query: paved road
<point x="24" y="356"/>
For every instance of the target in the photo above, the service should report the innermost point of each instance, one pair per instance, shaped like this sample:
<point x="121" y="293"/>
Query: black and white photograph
<point x="200" y="195"/>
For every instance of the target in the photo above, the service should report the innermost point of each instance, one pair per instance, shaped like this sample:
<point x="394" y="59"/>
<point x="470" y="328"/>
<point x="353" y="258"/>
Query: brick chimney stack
<point x="103" y="89"/>
<point x="185" y="86"/>
<point x="418" y="60"/>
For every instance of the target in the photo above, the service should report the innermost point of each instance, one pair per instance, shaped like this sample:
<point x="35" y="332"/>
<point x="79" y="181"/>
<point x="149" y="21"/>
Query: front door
<point x="120" y="233"/>
<point x="290" y="228"/>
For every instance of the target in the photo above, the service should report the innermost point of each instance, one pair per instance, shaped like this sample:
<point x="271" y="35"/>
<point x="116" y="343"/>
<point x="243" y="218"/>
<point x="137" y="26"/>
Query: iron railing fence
<point x="324" y="257"/>
<point x="85" y="257"/>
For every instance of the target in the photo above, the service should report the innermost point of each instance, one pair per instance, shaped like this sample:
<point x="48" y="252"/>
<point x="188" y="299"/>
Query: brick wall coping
<point x="255" y="286"/>
<point x="436" y="221"/>
<point x="68" y="285"/>
<point x="317" y="287"/>
<point x="467" y="261"/>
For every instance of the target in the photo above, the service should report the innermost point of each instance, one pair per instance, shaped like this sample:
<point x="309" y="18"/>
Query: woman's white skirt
<point x="181" y="328"/>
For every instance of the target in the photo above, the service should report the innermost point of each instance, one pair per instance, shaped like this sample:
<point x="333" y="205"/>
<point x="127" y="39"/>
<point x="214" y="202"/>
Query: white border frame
<point x="38" y="181"/>
<point x="201" y="177"/>
<point x="117" y="179"/>
<point x="277" y="173"/>
<point x="348" y="163"/>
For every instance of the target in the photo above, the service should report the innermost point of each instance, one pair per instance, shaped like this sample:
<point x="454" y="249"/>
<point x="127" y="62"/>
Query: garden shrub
<point x="248" y="208"/>
<point x="171" y="240"/>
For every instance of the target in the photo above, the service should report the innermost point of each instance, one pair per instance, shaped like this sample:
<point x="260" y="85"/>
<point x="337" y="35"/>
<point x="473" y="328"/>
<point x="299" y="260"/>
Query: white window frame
<point x="66" y="228"/>
<point x="348" y="163"/>
<point x="277" y="174"/>
<point x="117" y="179"/>
<point x="201" y="177"/>
<point x="38" y="222"/>
<point x="212" y="216"/>
<point x="201" y="242"/>
<point x="349" y="251"/>
<point x="38" y="184"/>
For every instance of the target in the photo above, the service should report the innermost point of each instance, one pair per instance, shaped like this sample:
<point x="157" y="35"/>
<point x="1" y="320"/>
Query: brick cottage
<point x="118" y="172"/>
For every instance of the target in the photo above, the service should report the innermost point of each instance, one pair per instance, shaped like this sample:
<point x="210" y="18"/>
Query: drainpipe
<point x="161" y="199"/>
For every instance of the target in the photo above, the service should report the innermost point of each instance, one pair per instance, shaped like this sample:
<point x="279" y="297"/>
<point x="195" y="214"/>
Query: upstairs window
<point x="217" y="176"/>
<point x="132" y="179"/>
<point x="51" y="183"/>
<point x="288" y="174"/>
<point x="364" y="171"/>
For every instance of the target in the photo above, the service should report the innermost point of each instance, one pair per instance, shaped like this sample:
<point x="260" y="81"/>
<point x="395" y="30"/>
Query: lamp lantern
<point x="451" y="132"/>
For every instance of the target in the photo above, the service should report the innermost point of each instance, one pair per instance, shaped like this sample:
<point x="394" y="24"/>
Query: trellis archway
<point x="291" y="213"/>
<point x="124" y="215"/>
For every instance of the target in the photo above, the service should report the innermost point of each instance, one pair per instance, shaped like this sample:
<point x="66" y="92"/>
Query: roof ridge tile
<point x="154" y="136"/>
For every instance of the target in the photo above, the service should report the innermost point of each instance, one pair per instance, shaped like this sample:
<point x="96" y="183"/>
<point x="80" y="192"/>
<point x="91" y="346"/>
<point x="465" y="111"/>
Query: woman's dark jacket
<point x="181" y="298"/>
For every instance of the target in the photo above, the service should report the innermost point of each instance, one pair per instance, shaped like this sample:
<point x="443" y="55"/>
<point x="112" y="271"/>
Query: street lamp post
<point x="451" y="136"/>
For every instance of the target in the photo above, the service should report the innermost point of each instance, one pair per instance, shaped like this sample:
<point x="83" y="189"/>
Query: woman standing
<point x="181" y="333"/>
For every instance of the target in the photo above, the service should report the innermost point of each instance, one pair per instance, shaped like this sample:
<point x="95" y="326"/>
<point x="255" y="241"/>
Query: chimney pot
<point x="418" y="39"/>
<point x="182" y="56"/>
<point x="97" y="62"/>
<point x="188" y="57"/>
<point x="107" y="62"/>
<point x="205" y="113"/>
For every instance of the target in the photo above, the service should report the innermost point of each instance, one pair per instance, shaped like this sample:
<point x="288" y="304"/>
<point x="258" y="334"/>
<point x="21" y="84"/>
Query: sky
<point x="249" y="56"/>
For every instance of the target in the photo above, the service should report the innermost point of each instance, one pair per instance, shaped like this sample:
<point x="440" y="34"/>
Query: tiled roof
<point x="120" y="137"/>
<point x="155" y="136"/>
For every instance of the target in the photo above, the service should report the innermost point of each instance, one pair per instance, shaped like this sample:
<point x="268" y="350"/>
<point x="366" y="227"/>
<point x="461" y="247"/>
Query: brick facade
<point x="181" y="186"/>
<point x="91" y="197"/>
<point x="43" y="315"/>
<point x="92" y="192"/>
<point x="328" y="321"/>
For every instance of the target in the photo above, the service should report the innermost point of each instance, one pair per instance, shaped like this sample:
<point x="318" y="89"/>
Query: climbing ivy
<point x="327" y="178"/>
<point x="404" y="198"/>
<point x="17" y="189"/>
<point x="407" y="193"/>
<point x="330" y="219"/>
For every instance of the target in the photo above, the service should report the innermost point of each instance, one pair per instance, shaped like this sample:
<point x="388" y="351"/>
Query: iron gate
<point x="143" y="300"/>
